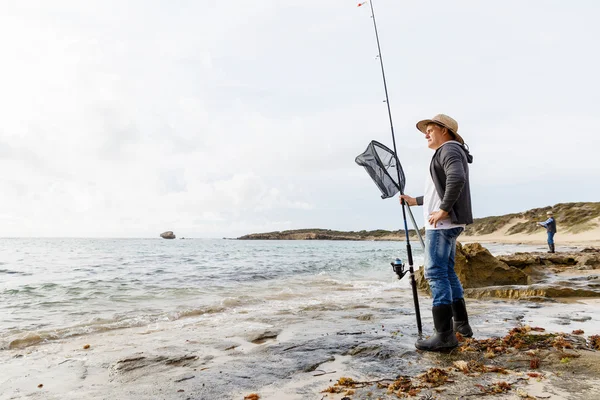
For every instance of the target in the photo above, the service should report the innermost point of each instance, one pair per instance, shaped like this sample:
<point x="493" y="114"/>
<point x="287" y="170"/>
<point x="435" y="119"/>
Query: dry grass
<point x="571" y="217"/>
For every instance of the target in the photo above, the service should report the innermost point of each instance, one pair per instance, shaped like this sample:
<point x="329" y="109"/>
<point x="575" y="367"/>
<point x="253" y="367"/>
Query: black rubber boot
<point x="552" y="248"/>
<point x="443" y="337"/>
<point x="461" y="318"/>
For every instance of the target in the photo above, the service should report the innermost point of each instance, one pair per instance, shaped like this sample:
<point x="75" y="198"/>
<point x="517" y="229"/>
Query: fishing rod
<point x="387" y="101"/>
<point x="399" y="269"/>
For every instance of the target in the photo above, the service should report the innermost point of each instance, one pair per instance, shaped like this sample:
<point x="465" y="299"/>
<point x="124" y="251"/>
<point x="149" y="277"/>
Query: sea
<point x="53" y="288"/>
<point x="57" y="288"/>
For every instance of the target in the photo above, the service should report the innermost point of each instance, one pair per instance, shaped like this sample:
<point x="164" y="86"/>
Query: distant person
<point x="447" y="210"/>
<point x="550" y="225"/>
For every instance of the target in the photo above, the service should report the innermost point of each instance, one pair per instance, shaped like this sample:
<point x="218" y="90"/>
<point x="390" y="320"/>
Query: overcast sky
<point x="220" y="118"/>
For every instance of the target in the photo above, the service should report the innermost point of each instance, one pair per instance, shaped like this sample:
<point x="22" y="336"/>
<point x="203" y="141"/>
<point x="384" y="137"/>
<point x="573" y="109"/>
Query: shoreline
<point x="565" y="240"/>
<point x="589" y="238"/>
<point x="569" y="241"/>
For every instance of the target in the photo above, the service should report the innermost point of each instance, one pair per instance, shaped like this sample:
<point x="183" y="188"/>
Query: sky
<point x="217" y="119"/>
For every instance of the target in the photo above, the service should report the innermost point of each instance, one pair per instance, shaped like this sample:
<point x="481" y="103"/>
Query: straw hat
<point x="549" y="213"/>
<point x="444" y="121"/>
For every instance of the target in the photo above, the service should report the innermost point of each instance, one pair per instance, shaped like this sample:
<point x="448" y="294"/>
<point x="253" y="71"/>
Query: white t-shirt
<point x="432" y="203"/>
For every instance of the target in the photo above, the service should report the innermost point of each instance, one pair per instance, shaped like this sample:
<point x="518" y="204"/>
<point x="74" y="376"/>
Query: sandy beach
<point x="587" y="238"/>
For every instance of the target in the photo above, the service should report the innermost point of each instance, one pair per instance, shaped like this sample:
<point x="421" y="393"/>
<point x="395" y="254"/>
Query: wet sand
<point x="588" y="238"/>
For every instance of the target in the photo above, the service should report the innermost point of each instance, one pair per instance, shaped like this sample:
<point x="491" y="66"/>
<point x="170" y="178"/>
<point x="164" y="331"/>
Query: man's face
<point x="436" y="136"/>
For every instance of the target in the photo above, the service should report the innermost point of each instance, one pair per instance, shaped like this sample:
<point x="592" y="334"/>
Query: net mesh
<point x="380" y="163"/>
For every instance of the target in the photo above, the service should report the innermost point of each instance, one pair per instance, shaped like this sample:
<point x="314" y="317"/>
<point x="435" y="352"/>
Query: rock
<point x="167" y="235"/>
<point x="590" y="260"/>
<point x="527" y="276"/>
<point x="585" y="268"/>
<point x="520" y="260"/>
<point x="476" y="267"/>
<point x="531" y="292"/>
<point x="138" y="365"/>
<point x="590" y="250"/>
<point x="561" y="259"/>
<point x="261" y="336"/>
<point x="524" y="260"/>
<point x="372" y="351"/>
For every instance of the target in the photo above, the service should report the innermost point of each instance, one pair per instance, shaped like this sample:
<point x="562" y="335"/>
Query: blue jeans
<point x="440" y="249"/>
<point x="550" y="237"/>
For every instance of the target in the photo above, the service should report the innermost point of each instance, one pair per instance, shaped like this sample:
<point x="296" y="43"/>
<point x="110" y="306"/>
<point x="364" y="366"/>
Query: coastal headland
<point x="578" y="225"/>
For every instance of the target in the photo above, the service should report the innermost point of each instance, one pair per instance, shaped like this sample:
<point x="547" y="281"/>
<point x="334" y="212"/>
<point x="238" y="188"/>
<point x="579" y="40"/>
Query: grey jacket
<point x="449" y="170"/>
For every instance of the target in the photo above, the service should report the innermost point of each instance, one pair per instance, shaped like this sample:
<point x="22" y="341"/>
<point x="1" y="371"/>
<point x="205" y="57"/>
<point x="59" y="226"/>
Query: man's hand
<point x="436" y="217"/>
<point x="411" y="201"/>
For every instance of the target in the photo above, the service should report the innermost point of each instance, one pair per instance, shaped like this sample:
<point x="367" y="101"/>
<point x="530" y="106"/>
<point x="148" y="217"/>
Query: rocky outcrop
<point x="328" y="234"/>
<point x="476" y="267"/>
<point x="522" y="260"/>
<point x="585" y="259"/>
<point x="296" y="236"/>
<point x="167" y="235"/>
<point x="529" y="276"/>
<point x="538" y="292"/>
<point x="479" y="268"/>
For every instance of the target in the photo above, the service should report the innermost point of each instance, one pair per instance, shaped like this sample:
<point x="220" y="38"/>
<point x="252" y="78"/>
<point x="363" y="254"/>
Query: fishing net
<point x="382" y="165"/>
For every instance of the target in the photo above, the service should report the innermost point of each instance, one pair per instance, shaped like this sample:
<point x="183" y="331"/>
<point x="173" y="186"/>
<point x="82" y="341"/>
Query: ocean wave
<point x="29" y="339"/>
<point x="238" y="301"/>
<point x="284" y="294"/>
<point x="23" y="290"/>
<point x="11" y="272"/>
<point x="26" y="339"/>
<point x="74" y="280"/>
<point x="322" y="307"/>
<point x="196" y="312"/>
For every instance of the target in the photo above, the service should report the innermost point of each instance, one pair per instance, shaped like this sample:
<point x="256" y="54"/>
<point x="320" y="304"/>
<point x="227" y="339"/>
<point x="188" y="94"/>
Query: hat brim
<point x="422" y="126"/>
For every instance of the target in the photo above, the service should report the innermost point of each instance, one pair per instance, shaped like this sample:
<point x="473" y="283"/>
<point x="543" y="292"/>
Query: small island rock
<point x="167" y="235"/>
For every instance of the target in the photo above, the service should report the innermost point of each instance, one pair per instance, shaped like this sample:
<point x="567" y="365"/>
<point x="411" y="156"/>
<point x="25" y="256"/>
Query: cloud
<point x="217" y="119"/>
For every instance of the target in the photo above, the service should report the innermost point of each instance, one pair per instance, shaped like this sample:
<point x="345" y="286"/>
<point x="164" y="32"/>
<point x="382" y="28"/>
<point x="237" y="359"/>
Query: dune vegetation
<point x="571" y="217"/>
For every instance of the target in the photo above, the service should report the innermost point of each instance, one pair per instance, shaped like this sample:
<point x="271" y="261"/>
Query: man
<point x="447" y="210"/>
<point x="550" y="225"/>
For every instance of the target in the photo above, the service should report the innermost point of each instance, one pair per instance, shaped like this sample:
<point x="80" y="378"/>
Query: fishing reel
<point x="398" y="268"/>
